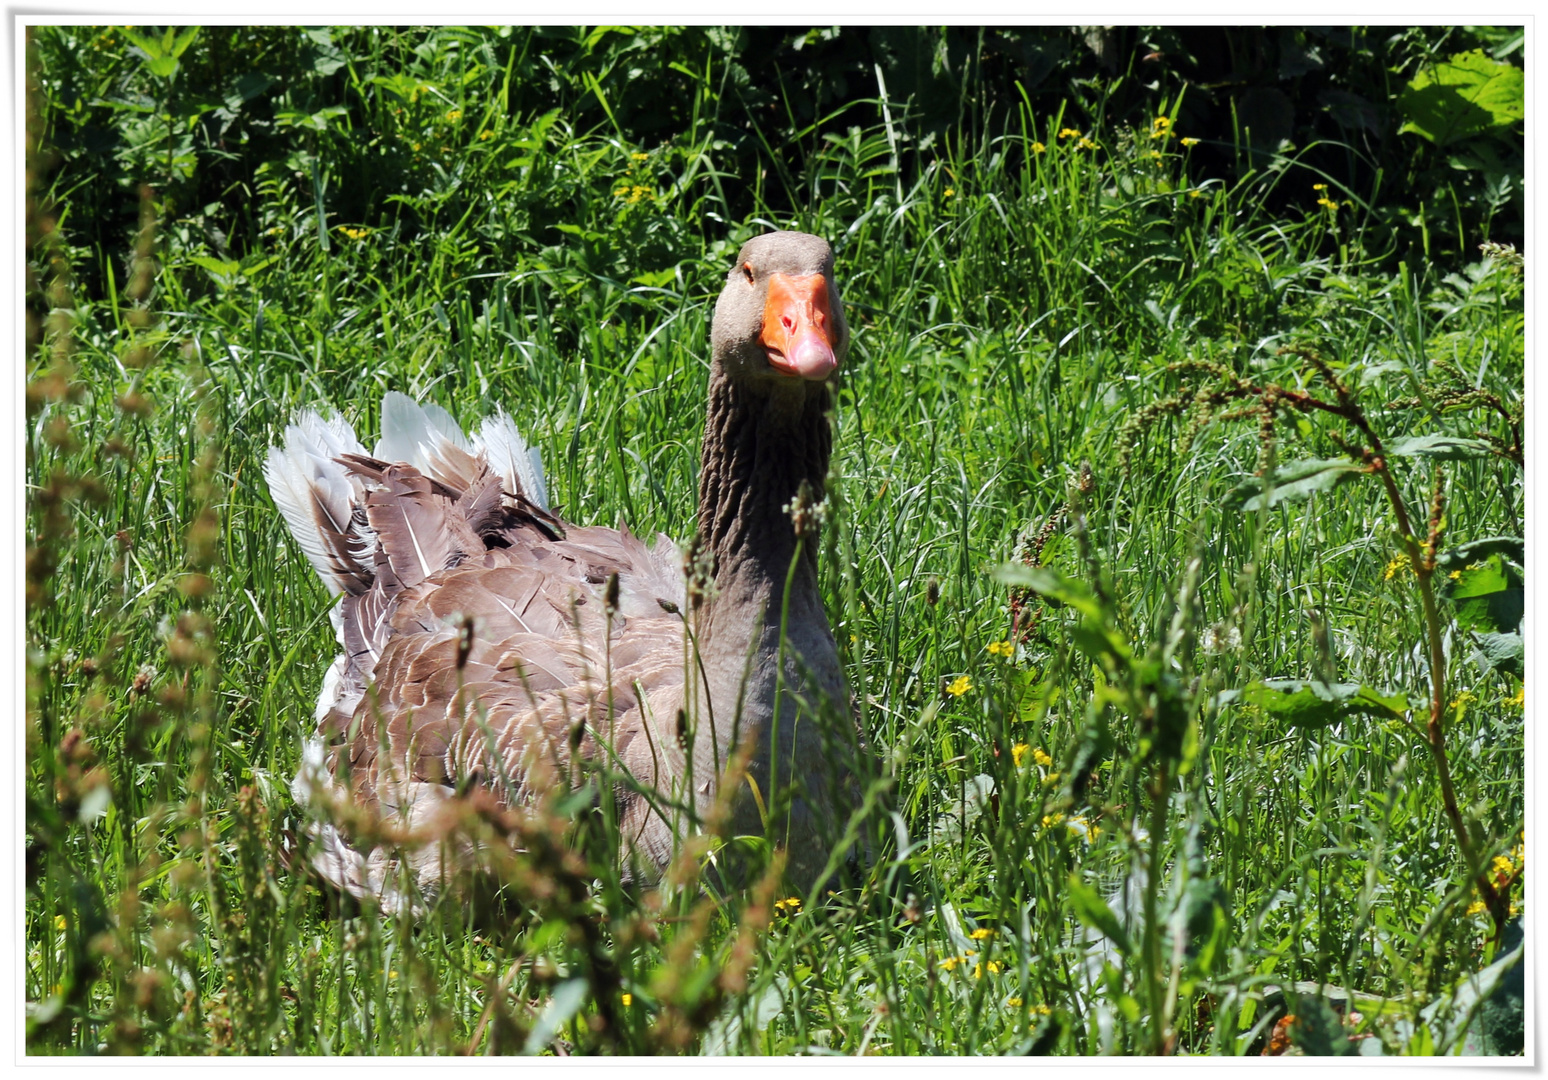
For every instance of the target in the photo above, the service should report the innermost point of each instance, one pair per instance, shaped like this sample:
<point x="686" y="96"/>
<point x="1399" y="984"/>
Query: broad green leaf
<point x="1468" y="95"/>
<point x="1052" y="584"/>
<point x="182" y="41"/>
<point x="1312" y="704"/>
<point x="1092" y="910"/>
<point x="1293" y="482"/>
<point x="1489" y="596"/>
<point x="1450" y="447"/>
<point x="1512" y="547"/>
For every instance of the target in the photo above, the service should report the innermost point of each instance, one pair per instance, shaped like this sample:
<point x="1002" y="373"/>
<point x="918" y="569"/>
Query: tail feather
<point x="520" y="467"/>
<point x="322" y="501"/>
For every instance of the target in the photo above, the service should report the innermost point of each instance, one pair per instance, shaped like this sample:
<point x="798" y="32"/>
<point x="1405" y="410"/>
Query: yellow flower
<point x="789" y="906"/>
<point x="638" y="192"/>
<point x="1189" y="141"/>
<point x="1068" y="133"/>
<point x="1397" y="563"/>
<point x="637" y="157"/>
<point x="1042" y="758"/>
<point x="981" y="933"/>
<point x="1018" y="752"/>
<point x="978" y="969"/>
<point x="1195" y="193"/>
<point x="1085" y="144"/>
<point x="627" y="999"/>
<point x="1162" y="123"/>
<point x="950" y="963"/>
<point x="392" y="976"/>
<point x="1050" y="820"/>
<point x="60" y="922"/>
<point x="1001" y="648"/>
<point x="1155" y="155"/>
<point x="455" y="114"/>
<point x="1476" y="908"/>
<point x="1013" y="1003"/>
<point x="1038" y="148"/>
<point x="1319" y="187"/>
<point x="959" y="686"/>
<point x="950" y="192"/>
<point x="1520" y="699"/>
<point x="1455" y="575"/>
<point x="1502" y="865"/>
<point x="485" y="134"/>
<point x="1329" y="203"/>
<point x="1041" y="1010"/>
<point x="354" y="234"/>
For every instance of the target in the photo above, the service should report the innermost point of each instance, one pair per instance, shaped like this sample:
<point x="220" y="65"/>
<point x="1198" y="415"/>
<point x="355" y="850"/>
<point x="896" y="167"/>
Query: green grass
<point x="1013" y="307"/>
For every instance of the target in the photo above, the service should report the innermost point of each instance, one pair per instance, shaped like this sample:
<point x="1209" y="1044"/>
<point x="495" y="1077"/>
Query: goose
<point x="488" y="646"/>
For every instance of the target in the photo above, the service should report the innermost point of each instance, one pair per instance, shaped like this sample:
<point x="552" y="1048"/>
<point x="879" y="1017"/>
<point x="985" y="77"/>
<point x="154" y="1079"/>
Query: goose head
<point x="779" y="319"/>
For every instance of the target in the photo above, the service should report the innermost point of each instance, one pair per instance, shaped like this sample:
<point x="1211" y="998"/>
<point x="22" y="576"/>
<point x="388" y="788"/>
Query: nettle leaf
<point x="1293" y="482"/>
<point x="1313" y="704"/>
<point x="1449" y="447"/>
<point x="1504" y="651"/>
<point x="1468" y="95"/>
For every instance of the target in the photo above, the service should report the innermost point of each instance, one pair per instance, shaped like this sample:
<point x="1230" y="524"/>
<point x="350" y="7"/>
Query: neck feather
<point x="758" y="450"/>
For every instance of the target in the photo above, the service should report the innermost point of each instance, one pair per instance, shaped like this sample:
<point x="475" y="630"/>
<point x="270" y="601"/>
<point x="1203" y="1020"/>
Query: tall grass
<point x="1077" y="848"/>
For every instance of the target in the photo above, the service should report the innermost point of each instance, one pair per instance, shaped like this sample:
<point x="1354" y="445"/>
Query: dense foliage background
<point x="1214" y="335"/>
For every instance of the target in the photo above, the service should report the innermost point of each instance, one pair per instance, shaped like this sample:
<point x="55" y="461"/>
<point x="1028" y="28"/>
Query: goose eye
<point x="748" y="271"/>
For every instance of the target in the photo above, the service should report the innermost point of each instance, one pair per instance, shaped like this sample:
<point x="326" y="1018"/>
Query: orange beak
<point x="797" y="322"/>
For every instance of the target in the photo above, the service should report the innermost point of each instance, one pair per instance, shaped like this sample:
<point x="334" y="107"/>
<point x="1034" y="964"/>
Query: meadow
<point x="1174" y="542"/>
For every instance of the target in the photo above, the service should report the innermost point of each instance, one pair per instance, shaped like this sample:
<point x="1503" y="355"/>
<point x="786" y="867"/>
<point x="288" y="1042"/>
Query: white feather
<point x="304" y="478"/>
<point x="519" y="466"/>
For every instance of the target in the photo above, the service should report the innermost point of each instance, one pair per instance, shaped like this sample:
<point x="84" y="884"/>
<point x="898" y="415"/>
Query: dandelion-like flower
<point x="639" y="158"/>
<point x="1068" y="133"/>
<point x="1018" y="752"/>
<point x="951" y="962"/>
<point x="1038" y="148"/>
<point x="1188" y="140"/>
<point x="949" y="192"/>
<point x="1085" y="144"/>
<point x="1161" y="127"/>
<point x="959" y="686"/>
<point x="1042" y="757"/>
<point x="454" y="114"/>
<point x="1000" y="648"/>
<point x="981" y="933"/>
<point x="485" y="135"/>
<point x="1397" y="563"/>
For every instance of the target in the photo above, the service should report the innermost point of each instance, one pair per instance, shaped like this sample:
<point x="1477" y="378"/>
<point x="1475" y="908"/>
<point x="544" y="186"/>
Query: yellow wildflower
<point x="1520" y="699"/>
<point x="1329" y="203"/>
<point x="1001" y="648"/>
<point x="354" y="234"/>
<point x="1397" y="563"/>
<point x="1013" y="1003"/>
<point x="1189" y="141"/>
<point x="981" y="933"/>
<point x="1502" y="866"/>
<point x="1195" y="193"/>
<point x="638" y="192"/>
<point x="978" y="969"/>
<point x="789" y="906"/>
<point x="1455" y="575"/>
<point x="627" y="999"/>
<point x="455" y="114"/>
<point x="392" y="976"/>
<point x="1041" y="1010"/>
<point x="1042" y="757"/>
<point x="485" y="134"/>
<point x="1319" y="187"/>
<point x="1155" y="155"/>
<point x="60" y="922"/>
<point x="950" y="963"/>
<point x="1085" y="144"/>
<point x="1476" y="908"/>
<point x="1068" y="133"/>
<point x="1051" y="779"/>
<point x="1050" y="820"/>
<point x="1038" y="148"/>
<point x="950" y="192"/>
<point x="638" y="158"/>
<point x="1161" y="128"/>
<point x="959" y="686"/>
<point x="1018" y="752"/>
